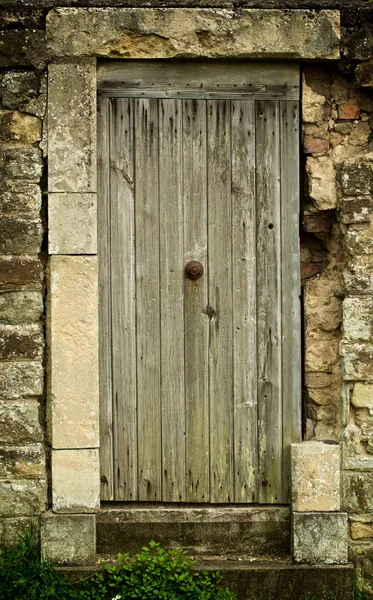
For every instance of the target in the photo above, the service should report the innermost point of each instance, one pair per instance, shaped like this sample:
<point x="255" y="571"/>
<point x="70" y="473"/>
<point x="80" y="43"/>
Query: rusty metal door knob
<point x="194" y="270"/>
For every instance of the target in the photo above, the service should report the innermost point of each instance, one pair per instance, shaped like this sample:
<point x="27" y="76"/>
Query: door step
<point x="246" y="532"/>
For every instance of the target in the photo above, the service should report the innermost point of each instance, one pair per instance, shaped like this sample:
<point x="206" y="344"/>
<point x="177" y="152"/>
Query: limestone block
<point x="17" y="308"/>
<point x="322" y="182"/>
<point x="22" y="497"/>
<point x="21" y="342"/>
<point x="21" y="379"/>
<point x="320" y="355"/>
<point x="357" y="491"/>
<point x="23" y="47"/>
<point x="72" y="126"/>
<point x="20" y="422"/>
<point x="355" y="179"/>
<point x="357" y="361"/>
<point x="22" y="462"/>
<point x="73" y="337"/>
<point x="361" y="554"/>
<point x="72" y="223"/>
<point x="358" y="282"/>
<point x="361" y="526"/>
<point x="11" y="529"/>
<point x="362" y="396"/>
<point x="355" y="210"/>
<point x="23" y="163"/>
<point x="315" y="477"/>
<point x="322" y="312"/>
<point x="20" y="235"/>
<point x="193" y="33"/>
<point x="17" y="127"/>
<point x="312" y="105"/>
<point x="21" y="198"/>
<point x="69" y="539"/>
<point x="358" y="319"/>
<point x="320" y="538"/>
<point x="20" y="273"/>
<point x="359" y="247"/>
<point x="18" y="87"/>
<point x="75" y="481"/>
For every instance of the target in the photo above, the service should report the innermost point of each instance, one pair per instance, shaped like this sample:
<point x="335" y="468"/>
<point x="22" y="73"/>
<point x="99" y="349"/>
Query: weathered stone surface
<point x="357" y="491"/>
<point x="322" y="182"/>
<point x="357" y="361"/>
<point x="11" y="529"/>
<point x="20" y="273"/>
<point x="20" y="422"/>
<point x="320" y="538"/>
<point x="171" y="33"/>
<point x="359" y="247"/>
<point x="23" y="47"/>
<point x="17" y="127"/>
<point x="74" y="351"/>
<point x="362" y="556"/>
<point x="361" y="526"/>
<point x="364" y="74"/>
<point x="72" y="223"/>
<point x="358" y="282"/>
<point x="348" y="111"/>
<point x="18" y="87"/>
<point x="316" y="476"/>
<point x="355" y="179"/>
<point x="23" y="163"/>
<point x="22" y="497"/>
<point x="19" y="342"/>
<point x="22" y="198"/>
<point x="21" y="379"/>
<point x="22" y="462"/>
<point x="322" y="312"/>
<point x="82" y="468"/>
<point x="358" y="319"/>
<point x="313" y="105"/>
<point x="362" y="396"/>
<point x="69" y="539"/>
<point x="18" y="308"/>
<point x="72" y="127"/>
<point x="313" y="145"/>
<point x="355" y="210"/>
<point x="321" y="355"/>
<point x="20" y="236"/>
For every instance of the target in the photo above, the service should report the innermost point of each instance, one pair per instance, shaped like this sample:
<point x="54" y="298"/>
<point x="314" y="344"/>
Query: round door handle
<point x="194" y="270"/>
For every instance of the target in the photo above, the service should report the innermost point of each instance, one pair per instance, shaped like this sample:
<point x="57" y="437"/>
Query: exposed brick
<point x="316" y="223"/>
<point x="308" y="270"/>
<point x="315" y="145"/>
<point x="349" y="111"/>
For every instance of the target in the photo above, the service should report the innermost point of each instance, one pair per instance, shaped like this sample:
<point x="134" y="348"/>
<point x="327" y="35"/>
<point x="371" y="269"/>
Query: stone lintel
<point x="316" y="477"/>
<point x="72" y="126"/>
<point x="72" y="223"/>
<point x="75" y="481"/>
<point x="194" y="33"/>
<point x="73" y="339"/>
<point x="320" y="538"/>
<point x="69" y="539"/>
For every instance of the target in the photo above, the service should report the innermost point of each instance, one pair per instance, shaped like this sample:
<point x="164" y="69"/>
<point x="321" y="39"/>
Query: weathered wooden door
<point x="199" y="377"/>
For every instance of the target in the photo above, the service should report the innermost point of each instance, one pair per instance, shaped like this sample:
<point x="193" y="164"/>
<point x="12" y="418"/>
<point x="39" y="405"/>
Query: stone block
<point x="20" y="235"/>
<point x="75" y="481"/>
<point x="11" y="529"/>
<point x="359" y="247"/>
<point x="73" y="318"/>
<point x="18" y="87"/>
<point x="322" y="182"/>
<point x="361" y="527"/>
<point x="362" y="396"/>
<point x="69" y="539"/>
<point x="22" y="497"/>
<point x="22" y="462"/>
<point x="193" y="33"/>
<point x="322" y="312"/>
<point x="358" y="282"/>
<point x="18" y="308"/>
<point x="355" y="179"/>
<point x="23" y="163"/>
<point x="348" y="111"/>
<point x="357" y="361"/>
<point x="21" y="379"/>
<point x="316" y="477"/>
<point x="320" y="355"/>
<point x="361" y="554"/>
<point x="355" y="210"/>
<point x="357" y="491"/>
<point x="320" y="538"/>
<point x="20" y="422"/>
<point x="17" y="127"/>
<point x="313" y="145"/>
<point x="20" y="273"/>
<point x="21" y="198"/>
<point x="16" y="342"/>
<point x="23" y="47"/>
<point x="72" y="223"/>
<point x="364" y="74"/>
<point x="358" y="319"/>
<point x="72" y="126"/>
<point x="313" y="105"/>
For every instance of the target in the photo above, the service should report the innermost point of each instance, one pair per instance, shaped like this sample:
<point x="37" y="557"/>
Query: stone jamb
<point x="134" y="33"/>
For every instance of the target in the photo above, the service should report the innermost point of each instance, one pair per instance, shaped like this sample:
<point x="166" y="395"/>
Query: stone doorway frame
<point x="76" y="38"/>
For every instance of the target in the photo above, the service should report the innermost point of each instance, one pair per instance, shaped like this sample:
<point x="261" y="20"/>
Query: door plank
<point x="172" y="304"/>
<point x="291" y="339"/>
<point x="148" y="299"/>
<point x="244" y="300"/>
<point x="104" y="304"/>
<point x="195" y="301"/>
<point x="122" y="260"/>
<point x="220" y="300"/>
<point x="269" y="302"/>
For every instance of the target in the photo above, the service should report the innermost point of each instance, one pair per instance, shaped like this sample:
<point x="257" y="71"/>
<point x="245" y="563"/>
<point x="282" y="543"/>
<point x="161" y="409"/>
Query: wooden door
<point x="199" y="377"/>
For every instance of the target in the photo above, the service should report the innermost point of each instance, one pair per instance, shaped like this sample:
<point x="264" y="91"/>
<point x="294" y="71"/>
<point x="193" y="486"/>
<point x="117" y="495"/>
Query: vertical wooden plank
<point x="148" y="301"/>
<point x="220" y="300"/>
<point x="172" y="304"/>
<point x="269" y="301"/>
<point x="195" y="302"/>
<point x="104" y="287"/>
<point x="244" y="300"/>
<point x="291" y="336"/>
<point x="123" y="299"/>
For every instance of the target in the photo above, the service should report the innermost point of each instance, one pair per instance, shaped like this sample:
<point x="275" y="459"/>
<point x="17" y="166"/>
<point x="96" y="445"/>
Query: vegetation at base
<point x="154" y="574"/>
